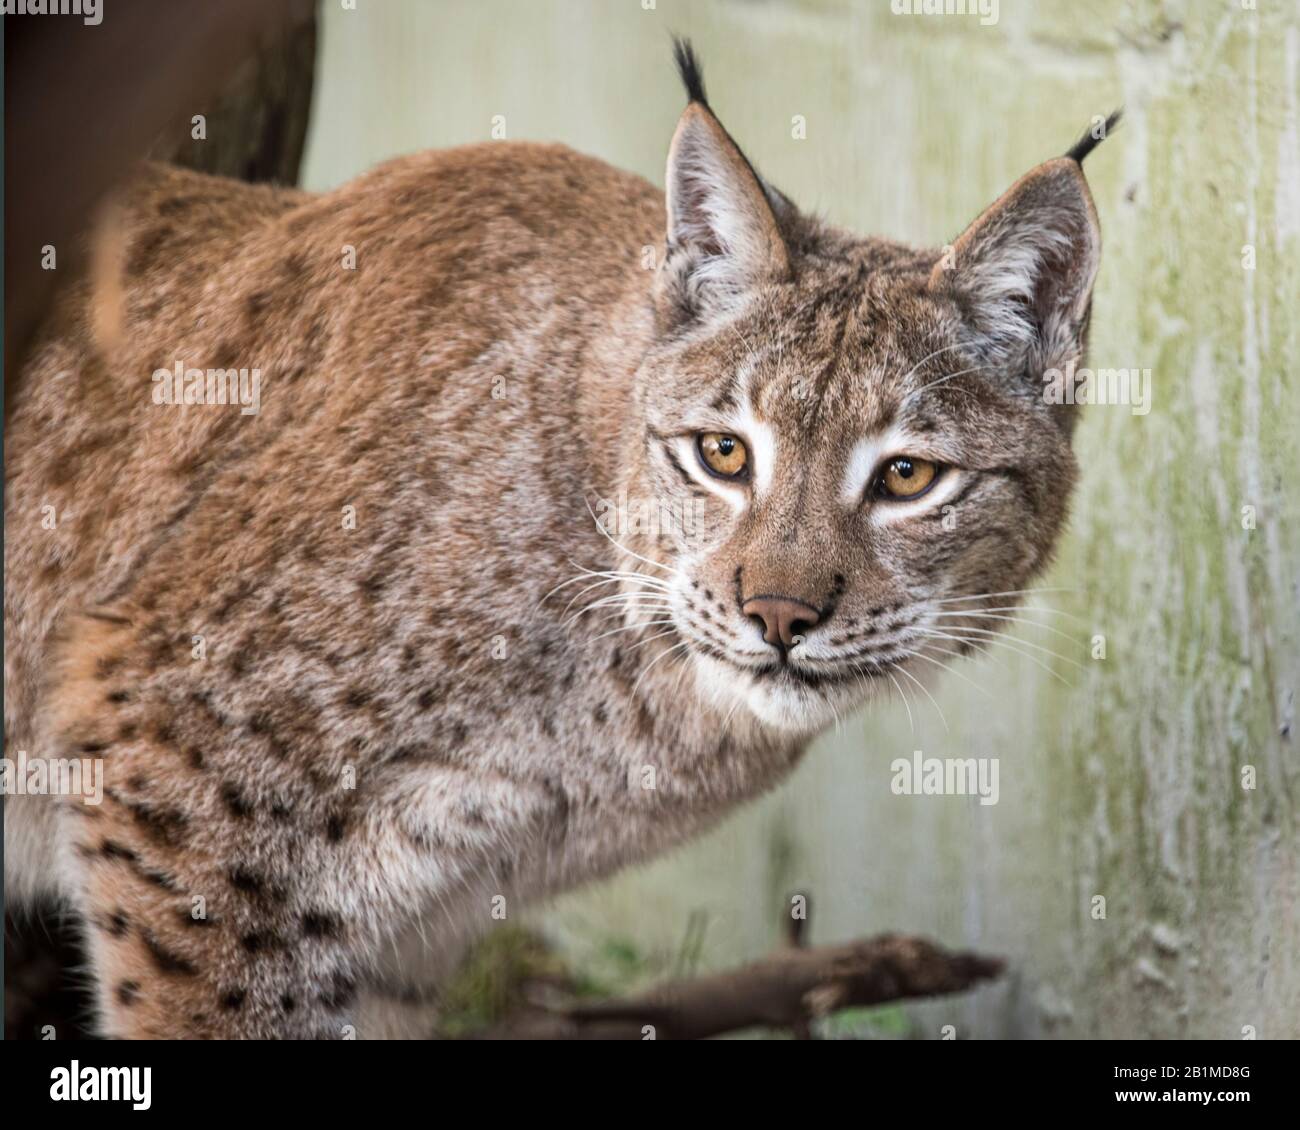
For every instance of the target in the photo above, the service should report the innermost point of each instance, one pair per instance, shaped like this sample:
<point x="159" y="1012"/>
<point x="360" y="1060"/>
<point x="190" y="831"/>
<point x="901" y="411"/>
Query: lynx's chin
<point x="778" y="699"/>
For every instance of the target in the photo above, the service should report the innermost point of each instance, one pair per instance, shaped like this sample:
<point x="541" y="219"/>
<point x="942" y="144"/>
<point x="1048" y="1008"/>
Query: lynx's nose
<point x="782" y="618"/>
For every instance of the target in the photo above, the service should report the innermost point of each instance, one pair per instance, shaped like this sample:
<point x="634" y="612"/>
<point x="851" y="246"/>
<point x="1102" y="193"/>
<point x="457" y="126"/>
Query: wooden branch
<point x="785" y="990"/>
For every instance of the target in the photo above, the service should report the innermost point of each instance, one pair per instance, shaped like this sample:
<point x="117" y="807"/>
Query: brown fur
<point x="394" y="724"/>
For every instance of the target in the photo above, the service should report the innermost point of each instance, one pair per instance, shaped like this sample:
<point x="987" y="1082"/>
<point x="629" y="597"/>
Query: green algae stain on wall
<point x="1122" y="777"/>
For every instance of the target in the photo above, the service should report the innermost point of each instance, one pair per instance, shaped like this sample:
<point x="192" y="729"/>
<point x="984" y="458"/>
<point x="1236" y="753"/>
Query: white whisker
<point x="1003" y="639"/>
<point x="941" y="380"/>
<point x="630" y="552"/>
<point x="924" y="690"/>
<point x="610" y="574"/>
<point x="657" y="659"/>
<point x="983" y="615"/>
<point x="988" y="595"/>
<point x="626" y="600"/>
<point x="1017" y="608"/>
<point x="945" y="349"/>
<point x="660" y="636"/>
<point x="618" y="580"/>
<point x="951" y="670"/>
<point x="630" y="628"/>
<point x="976" y="642"/>
<point x="898" y="686"/>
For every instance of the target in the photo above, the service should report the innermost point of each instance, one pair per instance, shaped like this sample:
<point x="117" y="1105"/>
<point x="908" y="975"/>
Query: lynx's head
<point x="862" y="430"/>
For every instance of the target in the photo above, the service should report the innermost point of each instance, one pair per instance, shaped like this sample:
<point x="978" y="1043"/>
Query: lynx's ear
<point x="1022" y="273"/>
<point x="723" y="239"/>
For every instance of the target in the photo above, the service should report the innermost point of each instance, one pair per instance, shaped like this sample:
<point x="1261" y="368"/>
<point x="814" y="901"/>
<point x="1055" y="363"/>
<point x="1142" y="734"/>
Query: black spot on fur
<point x="321" y="924"/>
<point x="341" y="992"/>
<point x="203" y="700"/>
<point x="287" y="1002"/>
<point x="406" y="753"/>
<point x="166" y="826"/>
<point x="257" y="941"/>
<point x="643" y="721"/>
<point x="235" y="801"/>
<point x="372" y="586"/>
<point x="158" y="878"/>
<point x="245" y="880"/>
<point x="226" y="355"/>
<point x="233" y="1001"/>
<point x="335" y="828"/>
<point x="356" y="698"/>
<point x="118" y="924"/>
<point x="166" y="960"/>
<point x="110" y="849"/>
<point x="560" y="804"/>
<point x="128" y="992"/>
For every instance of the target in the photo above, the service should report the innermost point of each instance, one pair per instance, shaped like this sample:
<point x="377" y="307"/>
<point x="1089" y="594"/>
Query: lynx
<point x="372" y="666"/>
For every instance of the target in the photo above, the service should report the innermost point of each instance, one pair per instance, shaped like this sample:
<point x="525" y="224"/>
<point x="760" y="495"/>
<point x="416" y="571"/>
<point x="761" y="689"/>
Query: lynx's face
<point x="863" y="486"/>
<point x="858" y="432"/>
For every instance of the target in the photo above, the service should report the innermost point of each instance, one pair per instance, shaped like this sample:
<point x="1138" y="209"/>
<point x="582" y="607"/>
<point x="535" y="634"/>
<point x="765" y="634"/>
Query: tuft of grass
<point x="493" y="979"/>
<point x="888" y="1021"/>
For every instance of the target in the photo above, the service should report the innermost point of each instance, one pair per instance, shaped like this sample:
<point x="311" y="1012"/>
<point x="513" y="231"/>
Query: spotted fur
<point x="396" y="730"/>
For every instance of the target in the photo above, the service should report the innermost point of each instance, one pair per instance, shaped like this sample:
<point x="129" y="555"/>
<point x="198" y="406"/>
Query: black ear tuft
<point x="1094" y="137"/>
<point x="688" y="66"/>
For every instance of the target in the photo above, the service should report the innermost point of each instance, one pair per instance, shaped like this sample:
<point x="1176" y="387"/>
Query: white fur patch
<point x="760" y="438"/>
<point x="864" y="460"/>
<point x="786" y="707"/>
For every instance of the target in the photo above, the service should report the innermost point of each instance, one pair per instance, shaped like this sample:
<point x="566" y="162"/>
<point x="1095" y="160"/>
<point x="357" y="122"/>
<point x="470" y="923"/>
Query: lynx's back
<point x="381" y="319"/>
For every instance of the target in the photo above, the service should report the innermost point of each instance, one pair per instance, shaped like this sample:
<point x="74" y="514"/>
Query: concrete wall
<point x="1121" y="776"/>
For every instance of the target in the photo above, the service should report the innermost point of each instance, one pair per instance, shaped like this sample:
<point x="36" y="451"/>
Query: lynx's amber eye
<point x="906" y="478"/>
<point x="723" y="455"/>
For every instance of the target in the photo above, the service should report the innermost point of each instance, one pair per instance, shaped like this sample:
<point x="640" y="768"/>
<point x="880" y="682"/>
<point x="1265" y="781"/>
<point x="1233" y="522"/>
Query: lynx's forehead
<point x="839" y="358"/>
<point x="860" y="394"/>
